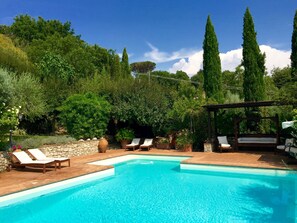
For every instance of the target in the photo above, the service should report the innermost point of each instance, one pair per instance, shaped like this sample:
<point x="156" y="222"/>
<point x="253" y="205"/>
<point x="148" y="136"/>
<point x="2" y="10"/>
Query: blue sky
<point x="168" y="32"/>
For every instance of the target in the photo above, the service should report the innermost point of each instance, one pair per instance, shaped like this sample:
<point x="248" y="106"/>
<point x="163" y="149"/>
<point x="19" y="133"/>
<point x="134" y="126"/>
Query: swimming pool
<point x="151" y="190"/>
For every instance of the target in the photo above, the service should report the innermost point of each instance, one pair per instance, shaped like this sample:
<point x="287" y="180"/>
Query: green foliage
<point x="143" y="67"/>
<point x="13" y="58"/>
<point x="115" y="67"/>
<point x="85" y="116"/>
<point x="271" y="91"/>
<point x="30" y="142"/>
<point x="8" y="121"/>
<point x="288" y="94"/>
<point x="27" y="28"/>
<point x="233" y="81"/>
<point x="287" y="86"/>
<point x="281" y="76"/>
<point x="125" y="67"/>
<point x="187" y="113"/>
<point x="294" y="50"/>
<point x="199" y="78"/>
<point x="124" y="134"/>
<point x="86" y="60"/>
<point x="211" y="64"/>
<point x="253" y="62"/>
<point x="53" y="66"/>
<point x="184" y="137"/>
<point x="6" y="88"/>
<point x="139" y="103"/>
<point x="28" y="93"/>
<point x="225" y="118"/>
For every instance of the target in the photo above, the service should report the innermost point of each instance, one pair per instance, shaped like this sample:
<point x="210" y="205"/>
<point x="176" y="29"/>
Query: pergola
<point x="214" y="108"/>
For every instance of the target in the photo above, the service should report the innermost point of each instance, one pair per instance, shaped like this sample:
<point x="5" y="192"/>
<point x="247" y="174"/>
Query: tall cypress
<point x="126" y="72"/>
<point x="253" y="62"/>
<point x="212" y="64"/>
<point x="115" y="67"/>
<point x="294" y="50"/>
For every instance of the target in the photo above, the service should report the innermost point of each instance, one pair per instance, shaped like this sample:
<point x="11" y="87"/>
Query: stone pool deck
<point x="25" y="178"/>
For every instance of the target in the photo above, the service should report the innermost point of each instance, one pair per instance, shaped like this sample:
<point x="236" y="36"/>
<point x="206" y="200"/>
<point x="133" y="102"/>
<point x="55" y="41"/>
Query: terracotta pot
<point x="102" y="145"/>
<point x="187" y="148"/>
<point x="124" y="143"/>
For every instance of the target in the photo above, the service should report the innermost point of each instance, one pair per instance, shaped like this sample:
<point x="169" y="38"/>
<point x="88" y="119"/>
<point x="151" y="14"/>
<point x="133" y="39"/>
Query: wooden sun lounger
<point x="23" y="160"/>
<point x="134" y="144"/>
<point x="148" y="143"/>
<point x="40" y="156"/>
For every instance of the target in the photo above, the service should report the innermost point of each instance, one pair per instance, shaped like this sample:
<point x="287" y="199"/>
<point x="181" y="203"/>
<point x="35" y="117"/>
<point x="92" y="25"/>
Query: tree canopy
<point x="143" y="67"/>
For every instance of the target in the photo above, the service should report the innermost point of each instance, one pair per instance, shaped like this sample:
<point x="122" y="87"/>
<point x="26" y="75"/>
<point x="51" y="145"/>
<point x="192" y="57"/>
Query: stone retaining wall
<point x="3" y="162"/>
<point x="71" y="149"/>
<point x="64" y="150"/>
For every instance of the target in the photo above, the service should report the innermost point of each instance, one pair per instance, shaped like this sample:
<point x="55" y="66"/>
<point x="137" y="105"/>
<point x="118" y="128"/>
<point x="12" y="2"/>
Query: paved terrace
<point x="21" y="179"/>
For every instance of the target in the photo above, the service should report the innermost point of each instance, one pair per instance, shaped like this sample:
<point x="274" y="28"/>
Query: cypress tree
<point x="211" y="64"/>
<point x="253" y="62"/>
<point x="294" y="50"/>
<point x="126" y="72"/>
<point x="115" y="67"/>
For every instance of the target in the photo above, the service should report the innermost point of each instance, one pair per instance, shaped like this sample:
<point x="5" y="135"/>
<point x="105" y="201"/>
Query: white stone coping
<point x="237" y="170"/>
<point x="38" y="191"/>
<point x="121" y="159"/>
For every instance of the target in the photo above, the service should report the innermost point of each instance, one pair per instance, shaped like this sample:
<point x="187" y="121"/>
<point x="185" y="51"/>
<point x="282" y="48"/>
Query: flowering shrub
<point x="15" y="147"/>
<point x="184" y="137"/>
<point x="8" y="121"/>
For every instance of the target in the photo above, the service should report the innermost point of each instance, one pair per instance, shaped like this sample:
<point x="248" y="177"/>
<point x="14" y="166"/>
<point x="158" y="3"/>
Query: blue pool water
<point x="157" y="191"/>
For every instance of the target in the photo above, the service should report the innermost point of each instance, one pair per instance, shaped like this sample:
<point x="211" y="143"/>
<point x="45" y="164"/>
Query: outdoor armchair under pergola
<point x="247" y="140"/>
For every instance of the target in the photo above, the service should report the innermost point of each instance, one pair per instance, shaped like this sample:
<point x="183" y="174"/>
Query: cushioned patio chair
<point x="23" y="159"/>
<point x="223" y="143"/>
<point x="39" y="155"/>
<point x="147" y="144"/>
<point x="134" y="144"/>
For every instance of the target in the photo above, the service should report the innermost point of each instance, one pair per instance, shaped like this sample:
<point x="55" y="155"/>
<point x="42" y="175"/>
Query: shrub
<point x="85" y="116"/>
<point x="124" y="134"/>
<point x="184" y="138"/>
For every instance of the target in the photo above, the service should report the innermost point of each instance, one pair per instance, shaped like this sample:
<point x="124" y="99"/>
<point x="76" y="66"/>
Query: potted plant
<point x="163" y="143"/>
<point x="184" y="141"/>
<point x="124" y="136"/>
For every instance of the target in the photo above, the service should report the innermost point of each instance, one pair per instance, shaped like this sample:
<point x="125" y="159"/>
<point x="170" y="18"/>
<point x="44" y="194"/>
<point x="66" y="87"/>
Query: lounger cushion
<point x="266" y="140"/>
<point x="24" y="158"/>
<point x="225" y="145"/>
<point x="135" y="142"/>
<point x="147" y="142"/>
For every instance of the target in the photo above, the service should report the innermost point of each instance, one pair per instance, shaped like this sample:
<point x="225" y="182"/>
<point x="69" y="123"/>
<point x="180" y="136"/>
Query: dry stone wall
<point x="3" y="162"/>
<point x="64" y="150"/>
<point x="71" y="149"/>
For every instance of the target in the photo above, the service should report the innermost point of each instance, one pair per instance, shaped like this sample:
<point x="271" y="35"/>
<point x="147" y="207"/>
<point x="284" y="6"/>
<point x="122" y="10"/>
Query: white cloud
<point x="231" y="59"/>
<point x="129" y="55"/>
<point x="158" y="56"/>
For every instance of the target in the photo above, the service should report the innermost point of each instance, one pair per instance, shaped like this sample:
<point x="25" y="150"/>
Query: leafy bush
<point x="184" y="137"/>
<point x="13" y="58"/>
<point x="124" y="134"/>
<point x="85" y="116"/>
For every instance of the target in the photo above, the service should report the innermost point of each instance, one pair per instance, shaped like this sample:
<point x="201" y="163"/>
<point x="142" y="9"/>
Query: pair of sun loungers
<point x="135" y="144"/>
<point x="41" y="160"/>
